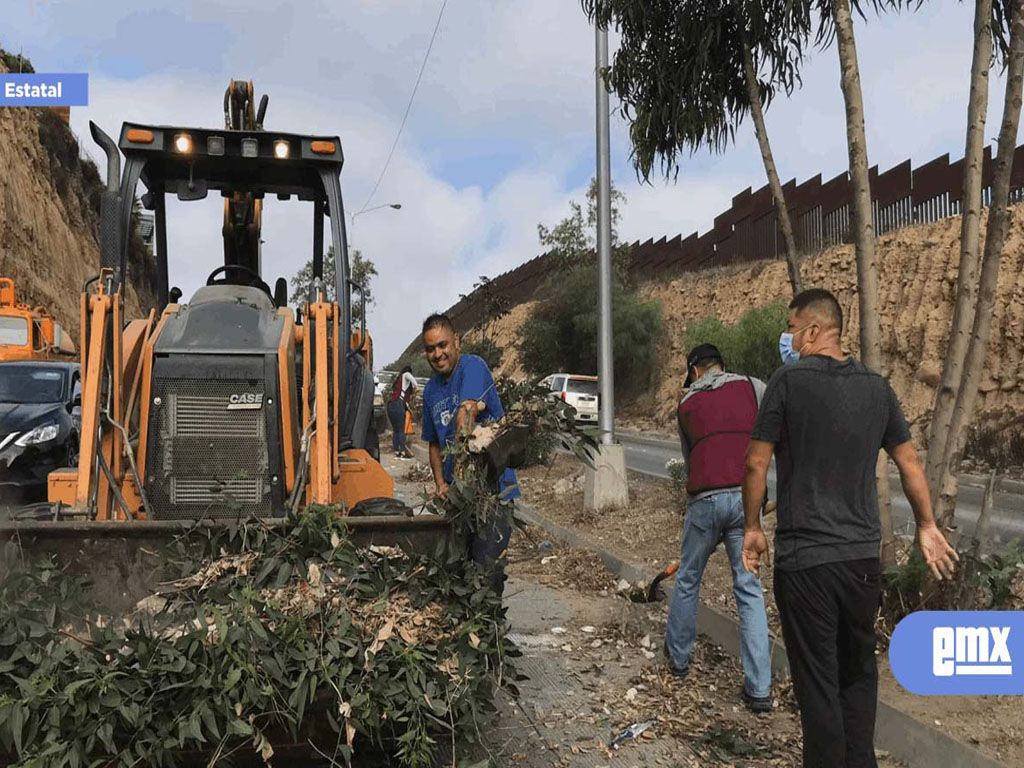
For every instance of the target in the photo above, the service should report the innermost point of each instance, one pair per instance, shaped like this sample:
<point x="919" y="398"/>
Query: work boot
<point x="756" y="704"/>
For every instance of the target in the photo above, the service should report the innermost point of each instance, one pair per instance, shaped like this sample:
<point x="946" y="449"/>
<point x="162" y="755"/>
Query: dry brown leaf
<point x="386" y="631"/>
<point x="408" y="637"/>
<point x="474" y="640"/>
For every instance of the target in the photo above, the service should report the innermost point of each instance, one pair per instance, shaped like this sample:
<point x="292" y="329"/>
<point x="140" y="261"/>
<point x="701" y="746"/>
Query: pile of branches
<point x="534" y="425"/>
<point x="269" y="635"/>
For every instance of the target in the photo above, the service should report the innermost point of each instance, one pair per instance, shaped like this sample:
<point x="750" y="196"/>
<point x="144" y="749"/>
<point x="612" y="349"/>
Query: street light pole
<point x="352" y="218"/>
<point x="605" y="367"/>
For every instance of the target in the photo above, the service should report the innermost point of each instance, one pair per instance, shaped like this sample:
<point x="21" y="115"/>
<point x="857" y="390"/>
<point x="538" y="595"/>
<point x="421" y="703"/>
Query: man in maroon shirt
<point x="715" y="419"/>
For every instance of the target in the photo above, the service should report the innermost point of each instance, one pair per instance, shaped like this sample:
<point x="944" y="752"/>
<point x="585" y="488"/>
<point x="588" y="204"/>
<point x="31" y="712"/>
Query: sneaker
<point x="678" y="672"/>
<point x="757" y="705"/>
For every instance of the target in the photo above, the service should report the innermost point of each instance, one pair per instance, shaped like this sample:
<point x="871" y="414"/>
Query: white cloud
<point x="508" y="82"/>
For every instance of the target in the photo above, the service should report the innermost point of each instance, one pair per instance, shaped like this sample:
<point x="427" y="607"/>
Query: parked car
<point x="577" y="390"/>
<point x="40" y="421"/>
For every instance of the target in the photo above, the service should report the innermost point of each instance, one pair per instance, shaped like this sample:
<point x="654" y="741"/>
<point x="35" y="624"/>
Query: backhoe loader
<point x="232" y="404"/>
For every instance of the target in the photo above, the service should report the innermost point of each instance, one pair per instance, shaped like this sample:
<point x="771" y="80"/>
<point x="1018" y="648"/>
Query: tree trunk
<point x="995" y="237"/>
<point x="863" y="233"/>
<point x="774" y="184"/>
<point x="967" y="278"/>
<point x="860" y="213"/>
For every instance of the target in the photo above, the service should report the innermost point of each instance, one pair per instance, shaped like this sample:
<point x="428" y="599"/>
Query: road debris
<point x="631" y="732"/>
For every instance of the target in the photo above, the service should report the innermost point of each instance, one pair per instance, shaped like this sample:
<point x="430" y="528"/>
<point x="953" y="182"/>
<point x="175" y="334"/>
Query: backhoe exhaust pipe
<point x="110" y="201"/>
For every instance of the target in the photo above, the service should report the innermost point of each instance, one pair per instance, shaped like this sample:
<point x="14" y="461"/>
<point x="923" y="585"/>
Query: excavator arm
<point x="243" y="213"/>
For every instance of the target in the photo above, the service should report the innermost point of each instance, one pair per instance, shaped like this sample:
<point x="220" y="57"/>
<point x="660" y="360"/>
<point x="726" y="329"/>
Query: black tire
<point x="373" y="443"/>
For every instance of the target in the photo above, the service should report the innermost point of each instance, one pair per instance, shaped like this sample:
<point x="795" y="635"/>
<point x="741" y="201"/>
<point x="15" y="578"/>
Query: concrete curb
<point x="1003" y="485"/>
<point x="904" y="737"/>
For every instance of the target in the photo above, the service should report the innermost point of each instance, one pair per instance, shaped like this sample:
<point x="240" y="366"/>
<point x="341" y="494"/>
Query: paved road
<point x="648" y="455"/>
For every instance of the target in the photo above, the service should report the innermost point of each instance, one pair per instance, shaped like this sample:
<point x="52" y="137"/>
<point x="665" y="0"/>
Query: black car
<point x="40" y="420"/>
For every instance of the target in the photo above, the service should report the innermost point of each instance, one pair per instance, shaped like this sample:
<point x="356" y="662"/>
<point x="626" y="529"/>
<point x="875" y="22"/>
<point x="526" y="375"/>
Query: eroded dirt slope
<point x="49" y="217"/>
<point x="917" y="267"/>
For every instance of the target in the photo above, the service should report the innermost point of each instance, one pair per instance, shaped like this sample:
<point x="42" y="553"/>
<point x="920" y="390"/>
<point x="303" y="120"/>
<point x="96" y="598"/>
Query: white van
<point x="578" y="391"/>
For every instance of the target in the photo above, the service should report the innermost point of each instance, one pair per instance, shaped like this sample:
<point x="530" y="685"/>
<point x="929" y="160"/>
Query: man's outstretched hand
<point x="755" y="548"/>
<point x="940" y="558"/>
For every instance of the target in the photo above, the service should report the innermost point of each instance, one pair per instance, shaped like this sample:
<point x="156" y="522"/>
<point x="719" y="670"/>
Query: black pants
<point x="828" y="623"/>
<point x="396" y="415"/>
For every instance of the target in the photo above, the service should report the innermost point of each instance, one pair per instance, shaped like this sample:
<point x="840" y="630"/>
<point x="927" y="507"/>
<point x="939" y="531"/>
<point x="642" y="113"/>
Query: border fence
<point x="748" y="230"/>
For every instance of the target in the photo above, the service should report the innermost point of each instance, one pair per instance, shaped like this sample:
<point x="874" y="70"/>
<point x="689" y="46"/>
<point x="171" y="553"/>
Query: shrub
<point x="677" y="473"/>
<point x="16" y="63"/>
<point x="561" y="335"/>
<point x="751" y="346"/>
<point x="415" y="360"/>
<point x="981" y="582"/>
<point x="485" y="348"/>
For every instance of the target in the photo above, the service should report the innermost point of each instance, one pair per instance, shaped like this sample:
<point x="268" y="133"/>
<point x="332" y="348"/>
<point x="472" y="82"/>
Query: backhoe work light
<point x="183" y="143"/>
<point x="139" y="136"/>
<point x="215" y="145"/>
<point x="250" y="148"/>
<point x="281" y="149"/>
<point x="322" y="147"/>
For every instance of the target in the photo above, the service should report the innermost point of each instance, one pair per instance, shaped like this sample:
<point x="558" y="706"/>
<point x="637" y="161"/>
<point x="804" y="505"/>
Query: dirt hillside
<point x="917" y="271"/>
<point x="49" y="217"/>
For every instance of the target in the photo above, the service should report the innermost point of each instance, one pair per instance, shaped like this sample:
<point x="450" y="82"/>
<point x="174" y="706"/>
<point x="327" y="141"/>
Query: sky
<point x="500" y="136"/>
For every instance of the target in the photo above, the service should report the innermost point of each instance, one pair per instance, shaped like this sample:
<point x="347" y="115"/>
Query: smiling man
<point x="458" y="396"/>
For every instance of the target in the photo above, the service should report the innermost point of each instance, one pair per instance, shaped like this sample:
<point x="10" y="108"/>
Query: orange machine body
<point x="29" y="333"/>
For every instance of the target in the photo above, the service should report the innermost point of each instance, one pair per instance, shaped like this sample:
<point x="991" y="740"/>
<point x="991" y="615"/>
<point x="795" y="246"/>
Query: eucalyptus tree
<point x="945" y="453"/>
<point x="689" y="71"/>
<point x="991" y="45"/>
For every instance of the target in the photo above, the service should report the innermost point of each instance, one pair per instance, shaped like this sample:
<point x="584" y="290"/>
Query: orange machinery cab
<point x="29" y="333"/>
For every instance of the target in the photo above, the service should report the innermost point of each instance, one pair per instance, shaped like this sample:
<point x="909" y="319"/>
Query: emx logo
<point x="245" y="401"/>
<point x="959" y="652"/>
<point x="971" y="651"/>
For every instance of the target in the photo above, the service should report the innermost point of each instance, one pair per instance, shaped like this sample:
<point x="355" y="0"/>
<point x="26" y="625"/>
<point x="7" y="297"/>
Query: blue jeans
<point x="396" y="415"/>
<point x="711" y="520"/>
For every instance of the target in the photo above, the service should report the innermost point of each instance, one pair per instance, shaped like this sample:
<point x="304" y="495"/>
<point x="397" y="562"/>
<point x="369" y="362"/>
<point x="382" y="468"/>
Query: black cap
<point x="698" y="353"/>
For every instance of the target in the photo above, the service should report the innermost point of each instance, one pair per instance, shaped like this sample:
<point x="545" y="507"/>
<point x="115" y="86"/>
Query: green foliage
<point x="677" y="475"/>
<point x="540" y="444"/>
<point x="484" y="347"/>
<point x="415" y="360"/>
<point x="980" y="582"/>
<point x="751" y="346"/>
<point x="534" y="425"/>
<point x="679" y="71"/>
<point x="561" y="335"/>
<point x="361" y="270"/>
<point x="573" y="241"/>
<point x="269" y="631"/>
<point x="17" y="63"/>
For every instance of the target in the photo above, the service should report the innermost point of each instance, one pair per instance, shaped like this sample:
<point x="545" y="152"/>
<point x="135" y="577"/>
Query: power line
<point x="408" y="107"/>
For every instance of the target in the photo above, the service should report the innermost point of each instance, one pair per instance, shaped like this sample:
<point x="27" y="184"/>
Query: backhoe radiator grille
<point x="207" y="455"/>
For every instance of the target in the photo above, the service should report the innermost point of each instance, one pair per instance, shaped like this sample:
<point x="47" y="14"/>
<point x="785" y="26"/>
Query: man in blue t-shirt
<point x="460" y="394"/>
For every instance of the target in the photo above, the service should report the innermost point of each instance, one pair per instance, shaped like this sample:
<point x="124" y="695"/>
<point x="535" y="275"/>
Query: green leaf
<point x="237" y="727"/>
<point x="232" y="678"/>
<point x="16" y="722"/>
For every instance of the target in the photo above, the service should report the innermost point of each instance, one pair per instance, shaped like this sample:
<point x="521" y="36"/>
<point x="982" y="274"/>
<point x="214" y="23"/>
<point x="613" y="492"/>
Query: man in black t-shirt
<point x="826" y="416"/>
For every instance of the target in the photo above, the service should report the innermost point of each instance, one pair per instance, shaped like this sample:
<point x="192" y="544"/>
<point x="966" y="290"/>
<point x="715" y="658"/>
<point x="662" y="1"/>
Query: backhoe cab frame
<point x="314" y="455"/>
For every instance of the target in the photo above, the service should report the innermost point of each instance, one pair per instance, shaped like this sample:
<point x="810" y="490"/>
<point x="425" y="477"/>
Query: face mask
<point x="786" y="351"/>
<point x="790" y="355"/>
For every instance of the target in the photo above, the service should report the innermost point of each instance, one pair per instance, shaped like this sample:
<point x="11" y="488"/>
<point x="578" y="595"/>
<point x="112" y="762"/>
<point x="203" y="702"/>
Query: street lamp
<point x="352" y="217"/>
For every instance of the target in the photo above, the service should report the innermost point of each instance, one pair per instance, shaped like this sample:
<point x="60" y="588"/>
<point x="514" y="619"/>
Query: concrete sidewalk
<point x="905" y="738"/>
